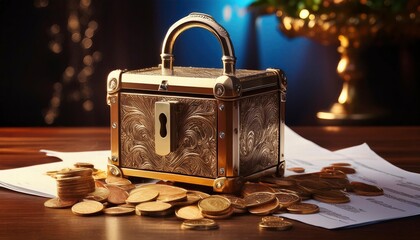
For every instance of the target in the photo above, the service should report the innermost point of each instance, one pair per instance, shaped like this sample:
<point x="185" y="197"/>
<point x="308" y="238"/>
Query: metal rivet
<point x="114" y="125"/>
<point x="222" y="171"/>
<point x="238" y="88"/>
<point x="113" y="100"/>
<point x="114" y="171"/>
<point x="113" y="84"/>
<point x="114" y="158"/>
<point x="222" y="135"/>
<point x="219" y="185"/>
<point x="221" y="107"/>
<point x="163" y="86"/>
<point x="219" y="89"/>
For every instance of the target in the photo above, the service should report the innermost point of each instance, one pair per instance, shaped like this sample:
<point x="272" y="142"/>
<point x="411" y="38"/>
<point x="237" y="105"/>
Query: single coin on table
<point x="214" y="205"/>
<point x="117" y="195"/>
<point x="258" y="198"/>
<point x="266" y="208"/>
<point x="118" y="210"/>
<point x="303" y="208"/>
<point x="365" y="189"/>
<point x="191" y="212"/>
<point x="200" y="224"/>
<point x="154" y="209"/>
<point x="87" y="208"/>
<point x="144" y="195"/>
<point x="275" y="225"/>
<point x="58" y="203"/>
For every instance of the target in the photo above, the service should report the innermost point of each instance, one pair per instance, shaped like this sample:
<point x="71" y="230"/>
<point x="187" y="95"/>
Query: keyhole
<point x="163" y="120"/>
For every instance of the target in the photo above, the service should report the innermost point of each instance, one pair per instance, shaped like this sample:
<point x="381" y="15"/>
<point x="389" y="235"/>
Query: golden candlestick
<point x="353" y="25"/>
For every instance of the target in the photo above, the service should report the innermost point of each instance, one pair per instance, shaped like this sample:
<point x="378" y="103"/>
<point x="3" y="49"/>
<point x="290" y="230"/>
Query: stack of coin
<point x="238" y="203"/>
<point x="190" y="212"/>
<point x="215" y="207"/>
<point x="74" y="183"/>
<point x="154" y="209"/>
<point x="303" y="208"/>
<point x="286" y="199"/>
<point x="275" y="224"/>
<point x="87" y="208"/>
<point x="200" y="224"/>
<point x="365" y="189"/>
<point x="96" y="173"/>
<point x="261" y="203"/>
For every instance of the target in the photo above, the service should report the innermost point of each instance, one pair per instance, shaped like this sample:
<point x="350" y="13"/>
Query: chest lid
<point x="206" y="81"/>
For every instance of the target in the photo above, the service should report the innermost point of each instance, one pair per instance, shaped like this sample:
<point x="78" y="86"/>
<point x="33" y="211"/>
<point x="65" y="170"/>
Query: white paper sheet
<point x="33" y="180"/>
<point x="401" y="198"/>
<point x="401" y="191"/>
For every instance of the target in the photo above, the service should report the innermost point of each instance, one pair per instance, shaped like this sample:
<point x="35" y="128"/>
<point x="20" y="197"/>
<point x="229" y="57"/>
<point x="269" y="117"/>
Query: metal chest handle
<point x="203" y="21"/>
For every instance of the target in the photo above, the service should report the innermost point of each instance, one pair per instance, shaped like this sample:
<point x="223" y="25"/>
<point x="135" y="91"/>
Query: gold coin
<point x="202" y="195"/>
<point x="222" y="215"/>
<point x="297" y="169"/>
<point x="275" y="225"/>
<point x="341" y="164"/>
<point x="83" y="165"/>
<point x="332" y="173"/>
<point x="68" y="179"/>
<point x="167" y="193"/>
<point x="214" y="205"/>
<point x="100" y="194"/>
<point x="237" y="202"/>
<point x="192" y="198"/>
<point x="127" y="205"/>
<point x="337" y="183"/>
<point x="258" y="198"/>
<point x="313" y="186"/>
<point x="365" y="189"/>
<point x="331" y="196"/>
<point x="87" y="208"/>
<point x="301" y="192"/>
<point x="116" y="195"/>
<point x="266" y="208"/>
<point x="99" y="175"/>
<point x="200" y="224"/>
<point x="119" y="181"/>
<point x="191" y="212"/>
<point x="144" y="195"/>
<point x="286" y="199"/>
<point x="303" y="208"/>
<point x="344" y="169"/>
<point x="59" y="203"/>
<point x="249" y="188"/>
<point x="279" y="182"/>
<point x="74" y="172"/>
<point x="153" y="206"/>
<point x="271" y="219"/>
<point x="51" y="173"/>
<point x="305" y="176"/>
<point x="118" y="210"/>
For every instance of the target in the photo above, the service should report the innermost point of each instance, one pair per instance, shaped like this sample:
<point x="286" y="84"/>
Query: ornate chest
<point x="213" y="127"/>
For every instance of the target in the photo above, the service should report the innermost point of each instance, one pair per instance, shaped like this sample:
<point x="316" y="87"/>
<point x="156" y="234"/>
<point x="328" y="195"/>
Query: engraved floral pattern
<point x="259" y="133"/>
<point x="196" y="152"/>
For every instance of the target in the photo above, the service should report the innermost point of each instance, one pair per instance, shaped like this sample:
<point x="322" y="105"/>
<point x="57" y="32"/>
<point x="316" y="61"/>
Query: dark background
<point x="129" y="36"/>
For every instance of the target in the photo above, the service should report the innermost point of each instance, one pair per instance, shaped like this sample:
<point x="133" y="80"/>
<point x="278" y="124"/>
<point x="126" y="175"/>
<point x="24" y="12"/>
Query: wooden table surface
<point x="24" y="216"/>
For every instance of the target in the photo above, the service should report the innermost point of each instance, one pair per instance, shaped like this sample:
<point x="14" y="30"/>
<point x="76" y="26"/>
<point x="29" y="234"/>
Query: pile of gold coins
<point x="200" y="210"/>
<point x="74" y="183"/>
